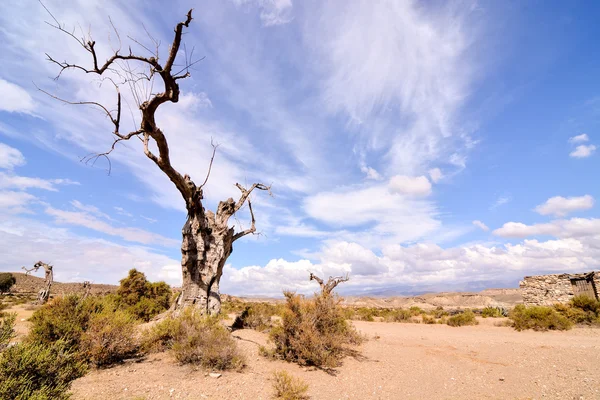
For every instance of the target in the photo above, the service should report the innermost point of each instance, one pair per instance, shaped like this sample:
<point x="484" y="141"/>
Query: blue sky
<point x="413" y="145"/>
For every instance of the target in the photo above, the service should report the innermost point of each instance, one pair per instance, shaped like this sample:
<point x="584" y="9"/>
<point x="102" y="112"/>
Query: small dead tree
<point x="207" y="237"/>
<point x="332" y="282"/>
<point x="44" y="293"/>
<point x="87" y="287"/>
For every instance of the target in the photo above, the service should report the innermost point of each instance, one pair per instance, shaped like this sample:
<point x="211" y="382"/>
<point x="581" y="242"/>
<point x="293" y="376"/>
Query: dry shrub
<point x="195" y="339"/>
<point x="462" y="319"/>
<point x="257" y="316"/>
<point x="7" y="331"/>
<point x="538" y="318"/>
<point x="313" y="332"/>
<point x="91" y="327"/>
<point x="110" y="337"/>
<point x="439" y="312"/>
<point x="428" y="320"/>
<point x="38" y="371"/>
<point x="287" y="387"/>
<point x="7" y="280"/>
<point x="492" y="312"/>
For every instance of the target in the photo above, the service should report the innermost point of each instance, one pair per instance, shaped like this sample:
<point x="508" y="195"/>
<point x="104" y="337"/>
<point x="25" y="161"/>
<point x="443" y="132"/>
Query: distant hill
<point x="29" y="284"/>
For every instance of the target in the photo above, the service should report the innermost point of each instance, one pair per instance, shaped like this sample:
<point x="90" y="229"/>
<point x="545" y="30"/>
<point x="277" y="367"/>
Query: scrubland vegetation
<point x="72" y="334"/>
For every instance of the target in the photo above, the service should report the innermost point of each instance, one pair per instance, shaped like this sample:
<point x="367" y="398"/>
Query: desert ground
<point x="399" y="361"/>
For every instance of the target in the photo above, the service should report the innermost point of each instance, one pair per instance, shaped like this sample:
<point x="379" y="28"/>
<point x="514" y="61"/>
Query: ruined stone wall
<point x="546" y="290"/>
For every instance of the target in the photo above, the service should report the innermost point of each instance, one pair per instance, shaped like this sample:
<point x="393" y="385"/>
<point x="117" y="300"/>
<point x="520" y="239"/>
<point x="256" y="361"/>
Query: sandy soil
<point x="400" y="361"/>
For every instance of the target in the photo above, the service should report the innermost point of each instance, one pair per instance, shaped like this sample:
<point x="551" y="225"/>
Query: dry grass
<point x="287" y="387"/>
<point x="195" y="339"/>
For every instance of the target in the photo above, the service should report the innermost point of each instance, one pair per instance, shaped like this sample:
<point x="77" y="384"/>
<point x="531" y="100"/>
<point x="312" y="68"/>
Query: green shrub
<point x="92" y="328"/>
<point x="7" y="280"/>
<point x="439" y="312"/>
<point x="109" y="337"/>
<point x="400" y="315"/>
<point x="462" y="319"/>
<point x="492" y="312"/>
<point x="313" y="332"/>
<point x="287" y="387"/>
<point x="195" y="339"/>
<point x="142" y="298"/>
<point x="538" y="318"/>
<point x="38" y="371"/>
<point x="7" y="331"/>
<point x="586" y="303"/>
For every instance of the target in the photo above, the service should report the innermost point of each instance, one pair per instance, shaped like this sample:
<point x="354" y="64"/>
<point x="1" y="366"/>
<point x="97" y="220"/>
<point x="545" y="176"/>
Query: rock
<point x="214" y="375"/>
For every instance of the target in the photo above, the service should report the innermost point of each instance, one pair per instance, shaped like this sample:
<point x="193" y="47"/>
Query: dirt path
<point x="406" y="361"/>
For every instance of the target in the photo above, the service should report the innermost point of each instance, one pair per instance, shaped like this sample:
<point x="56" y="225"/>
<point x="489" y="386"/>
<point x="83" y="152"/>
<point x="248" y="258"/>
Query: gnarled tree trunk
<point x="207" y="237"/>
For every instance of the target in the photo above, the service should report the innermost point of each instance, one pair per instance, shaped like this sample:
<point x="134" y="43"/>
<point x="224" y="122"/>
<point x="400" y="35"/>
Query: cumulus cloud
<point x="564" y="228"/>
<point x="583" y="151"/>
<point x="481" y="225"/>
<point x="420" y="265"/>
<point x="14" y="98"/>
<point x="10" y="157"/>
<point x="412" y="186"/>
<point x="435" y="174"/>
<point x="560" y="206"/>
<point x="579" y="138"/>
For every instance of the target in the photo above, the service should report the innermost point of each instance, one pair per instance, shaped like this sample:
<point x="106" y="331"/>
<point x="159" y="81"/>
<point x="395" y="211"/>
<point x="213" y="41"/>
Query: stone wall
<point x="547" y="290"/>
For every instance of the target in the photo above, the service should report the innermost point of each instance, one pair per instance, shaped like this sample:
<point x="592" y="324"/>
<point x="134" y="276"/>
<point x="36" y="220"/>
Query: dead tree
<point x="87" y="287"/>
<point x="207" y="237"/>
<point x="44" y="293"/>
<point x="332" y="282"/>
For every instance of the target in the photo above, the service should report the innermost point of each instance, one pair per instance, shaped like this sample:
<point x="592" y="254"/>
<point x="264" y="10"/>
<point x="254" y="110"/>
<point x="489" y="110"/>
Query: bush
<point x="462" y="319"/>
<point x="7" y="331"/>
<point x="38" y="371"/>
<point x="586" y="303"/>
<point x="142" y="298"/>
<point x="195" y="339"/>
<point x="91" y="328"/>
<point x="287" y="387"/>
<point x="401" y="315"/>
<point x="110" y="337"/>
<point x="439" y="312"/>
<point x="538" y="318"/>
<point x="492" y="312"/>
<point x="257" y="316"/>
<point x="313" y="332"/>
<point x="7" y="280"/>
<point x="428" y="320"/>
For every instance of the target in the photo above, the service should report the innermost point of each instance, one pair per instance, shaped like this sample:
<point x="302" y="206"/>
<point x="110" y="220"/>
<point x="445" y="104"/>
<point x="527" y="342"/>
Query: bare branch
<point x="212" y="158"/>
<point x="252" y="228"/>
<point x="246" y="193"/>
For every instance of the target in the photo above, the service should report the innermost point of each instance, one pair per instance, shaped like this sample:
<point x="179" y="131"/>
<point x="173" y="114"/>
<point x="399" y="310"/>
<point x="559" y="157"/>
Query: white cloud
<point x="412" y="186"/>
<point x="12" y="181"/>
<point x="87" y="220"/>
<point x="421" y="266"/>
<point x="384" y="216"/>
<point x="10" y="157"/>
<point x="272" y="12"/>
<point x="15" y="202"/>
<point x="583" y="151"/>
<point x="563" y="228"/>
<point x="14" y="98"/>
<point x="392" y="64"/>
<point x="481" y="225"/>
<point x="560" y="206"/>
<point x="500" y="201"/>
<point x="78" y="258"/>
<point x="579" y="138"/>
<point x="436" y="175"/>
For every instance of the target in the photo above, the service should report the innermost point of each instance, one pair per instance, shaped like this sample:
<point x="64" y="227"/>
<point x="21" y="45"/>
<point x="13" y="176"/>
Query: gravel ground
<point x="400" y="361"/>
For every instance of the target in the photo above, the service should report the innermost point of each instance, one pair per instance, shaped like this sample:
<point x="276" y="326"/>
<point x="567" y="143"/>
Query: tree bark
<point x="204" y="251"/>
